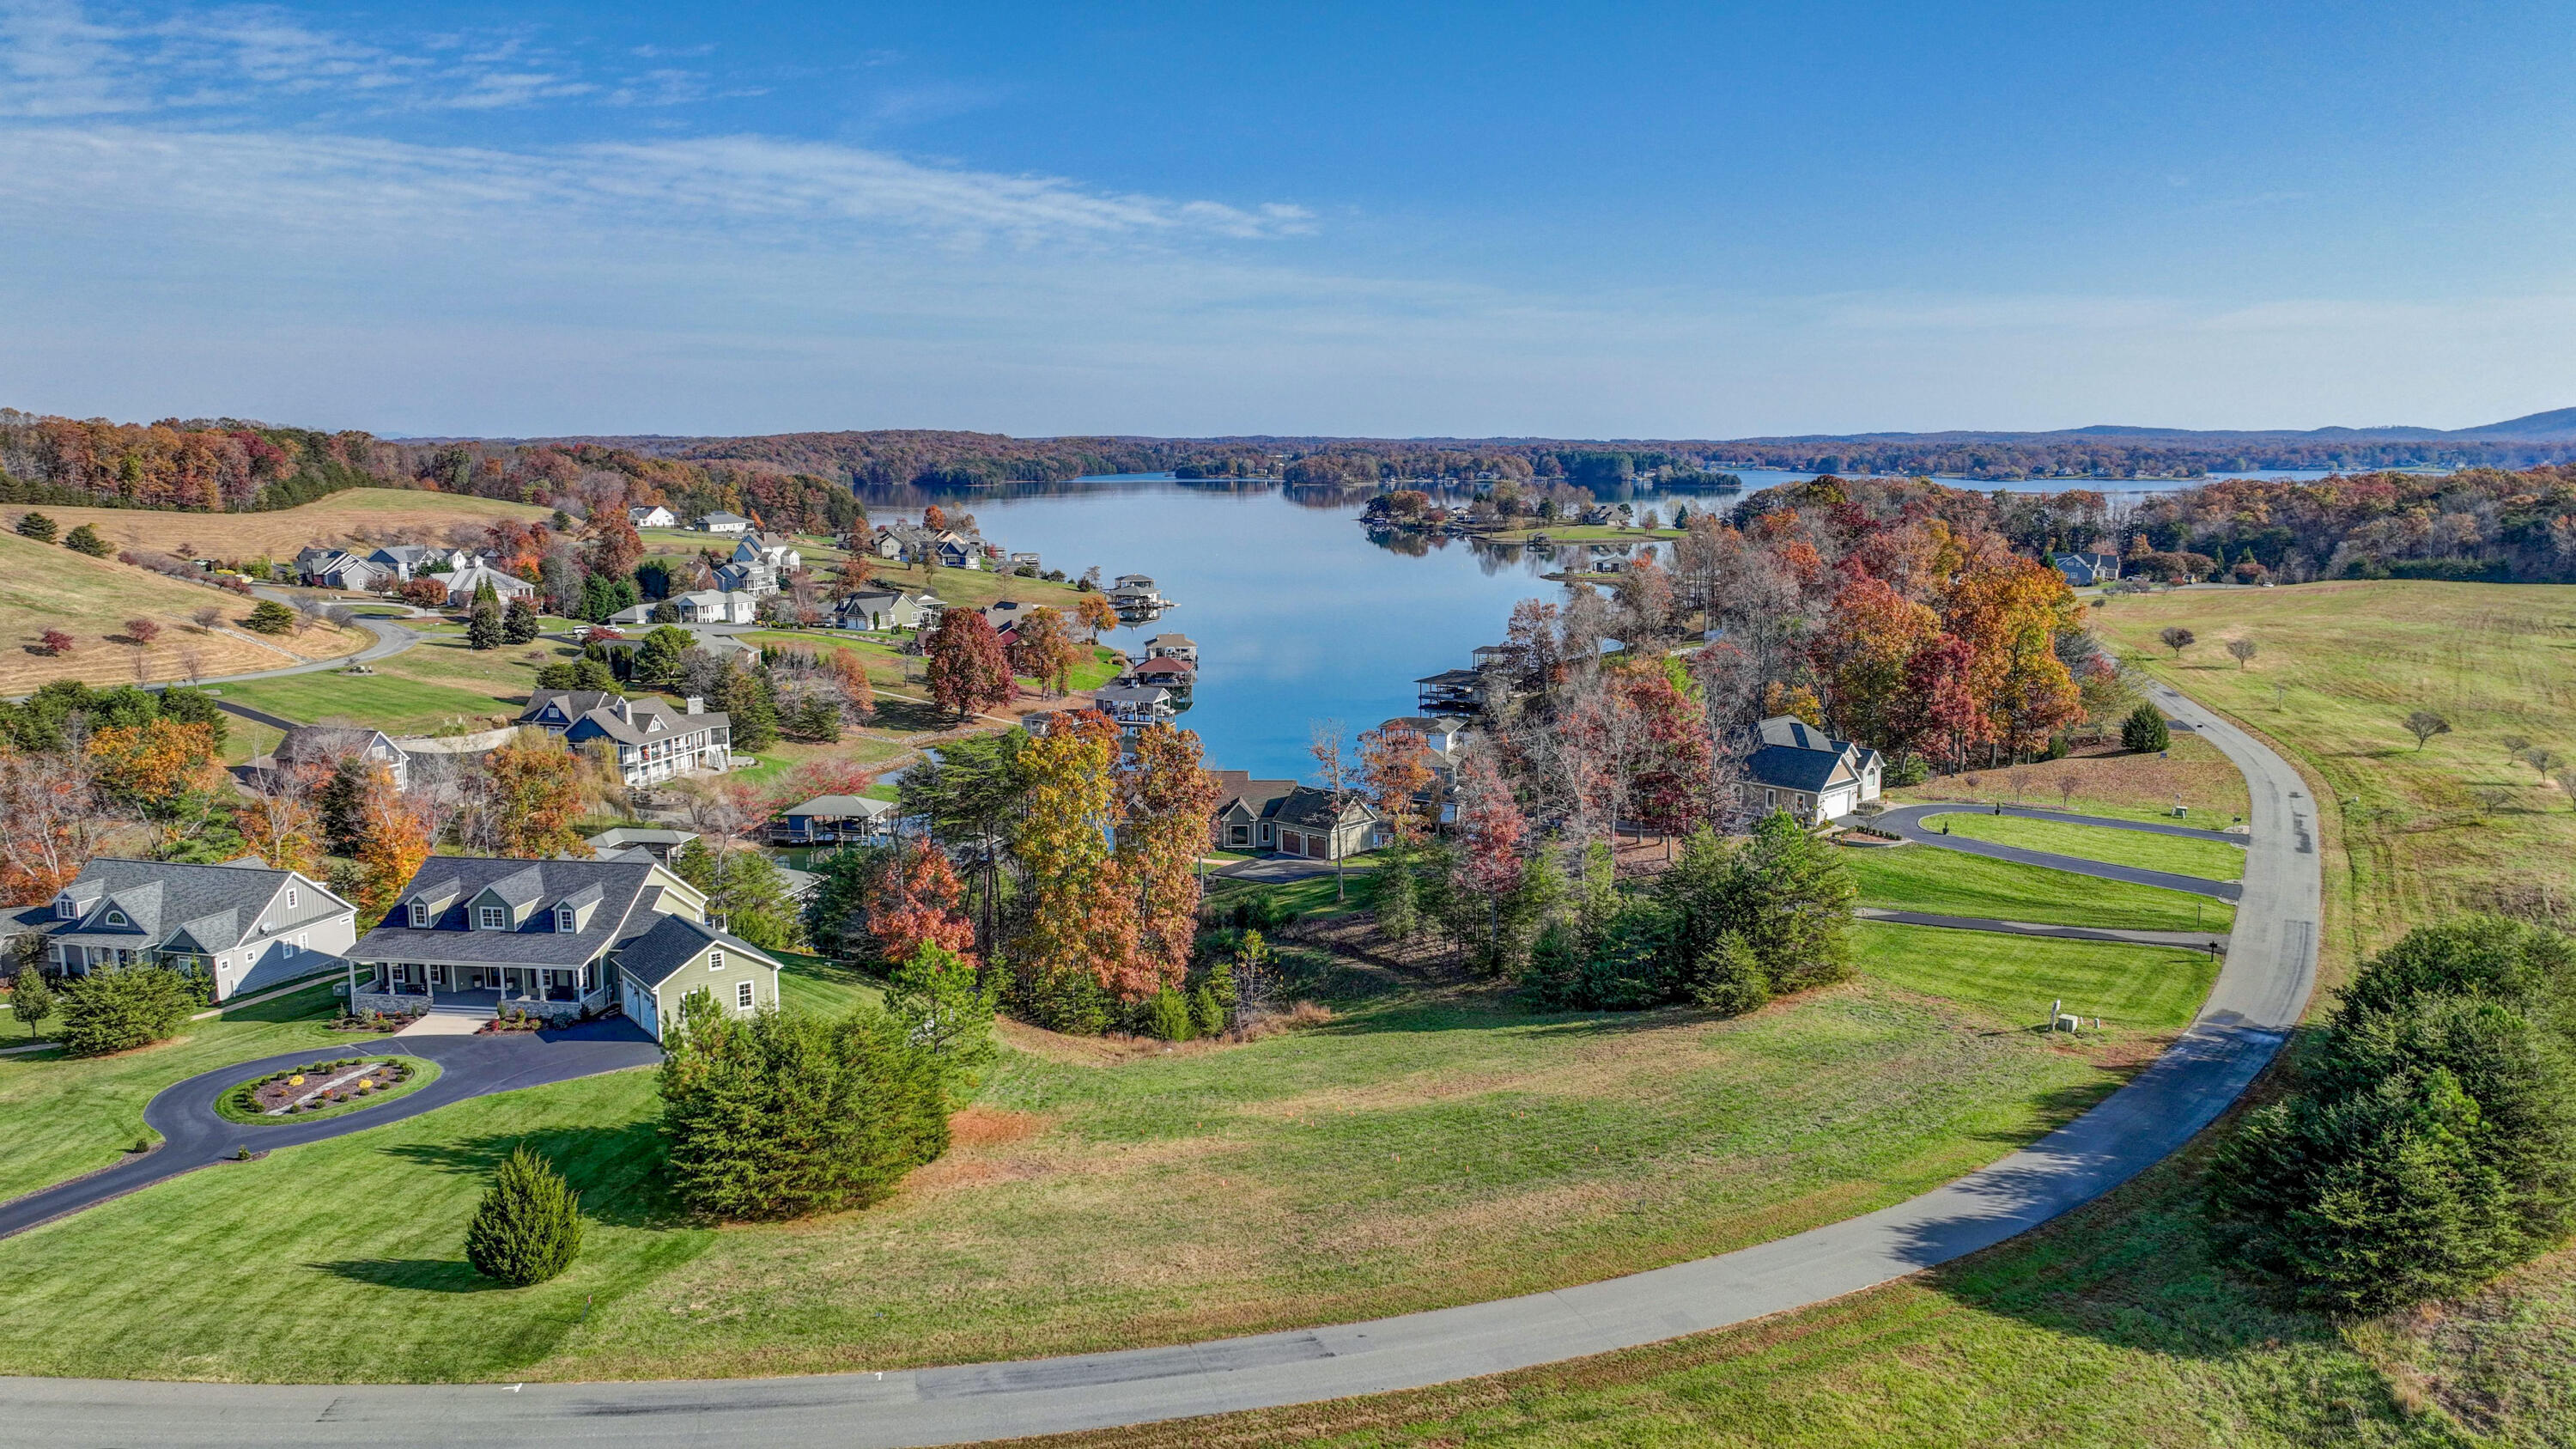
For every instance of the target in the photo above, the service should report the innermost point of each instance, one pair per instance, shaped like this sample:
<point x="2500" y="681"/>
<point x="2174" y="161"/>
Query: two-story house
<point x="777" y="550"/>
<point x="1791" y="765"/>
<point x="654" y="742"/>
<point x="758" y="580"/>
<point x="553" y="938"/>
<point x="241" y="926"/>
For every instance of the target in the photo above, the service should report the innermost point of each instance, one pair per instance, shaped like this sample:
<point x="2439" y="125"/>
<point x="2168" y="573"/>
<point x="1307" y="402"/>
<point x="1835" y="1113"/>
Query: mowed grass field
<point x="1430" y="1146"/>
<point x="2338" y="668"/>
<point x="60" y="1118"/>
<point x="372" y="515"/>
<point x="2177" y="854"/>
<point x="2132" y="988"/>
<point x="2122" y="786"/>
<point x="1953" y="883"/>
<point x="436" y="682"/>
<point x="46" y="586"/>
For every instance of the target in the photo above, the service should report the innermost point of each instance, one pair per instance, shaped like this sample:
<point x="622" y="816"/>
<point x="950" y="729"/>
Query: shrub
<point x="778" y="1115"/>
<point x="30" y="999"/>
<point x="1167" y="1015"/>
<point x="1909" y="770"/>
<point x="85" y="539"/>
<point x="528" y="1228"/>
<point x="270" y="617"/>
<point x="54" y="642"/>
<point x="1727" y="979"/>
<point x="38" y="527"/>
<point x="118" y="1010"/>
<point x="2145" y="729"/>
<point x="1206" y="1013"/>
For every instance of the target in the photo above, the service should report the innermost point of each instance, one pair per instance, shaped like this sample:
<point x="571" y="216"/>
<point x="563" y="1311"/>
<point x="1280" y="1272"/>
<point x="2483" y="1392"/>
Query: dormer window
<point x="116" y="918"/>
<point x="419" y="916"/>
<point x="491" y="918"/>
<point x="64" y="907"/>
<point x="564" y="919"/>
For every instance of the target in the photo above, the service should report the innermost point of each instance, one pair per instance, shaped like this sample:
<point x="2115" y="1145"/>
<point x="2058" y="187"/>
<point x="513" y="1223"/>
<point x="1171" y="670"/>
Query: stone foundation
<point x="385" y="1002"/>
<point x="552" y="1013"/>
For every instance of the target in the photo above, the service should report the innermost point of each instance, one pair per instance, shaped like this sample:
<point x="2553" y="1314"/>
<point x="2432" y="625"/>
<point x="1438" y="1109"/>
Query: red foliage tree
<point x="969" y="671"/>
<point x="917" y="902"/>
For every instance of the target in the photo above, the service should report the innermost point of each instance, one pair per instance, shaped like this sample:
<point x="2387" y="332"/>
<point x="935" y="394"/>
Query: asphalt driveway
<point x="1907" y="821"/>
<point x="193" y="1136"/>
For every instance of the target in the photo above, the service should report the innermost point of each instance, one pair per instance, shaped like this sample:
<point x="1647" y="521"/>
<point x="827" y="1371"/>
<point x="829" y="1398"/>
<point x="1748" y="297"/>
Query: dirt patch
<point x="994" y="1127"/>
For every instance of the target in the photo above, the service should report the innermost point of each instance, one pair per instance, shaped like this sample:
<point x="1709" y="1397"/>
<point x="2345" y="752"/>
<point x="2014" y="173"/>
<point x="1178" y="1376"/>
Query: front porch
<point x="412" y="988"/>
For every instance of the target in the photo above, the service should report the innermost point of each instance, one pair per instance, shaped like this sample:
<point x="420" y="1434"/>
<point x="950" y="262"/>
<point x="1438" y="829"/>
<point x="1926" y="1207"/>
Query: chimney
<point x="626" y="711"/>
<point x="695" y="705"/>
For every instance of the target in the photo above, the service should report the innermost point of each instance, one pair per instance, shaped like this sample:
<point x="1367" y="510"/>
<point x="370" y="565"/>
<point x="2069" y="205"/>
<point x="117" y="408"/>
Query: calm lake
<point x="1297" y="615"/>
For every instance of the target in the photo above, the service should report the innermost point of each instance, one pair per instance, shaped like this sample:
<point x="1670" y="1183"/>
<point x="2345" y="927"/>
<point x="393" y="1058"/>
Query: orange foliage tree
<point x="1395" y="761"/>
<point x="49" y="823"/>
<point x="394" y="838"/>
<point x="916" y="902"/>
<point x="1166" y="798"/>
<point x="1082" y="916"/>
<point x="533" y="795"/>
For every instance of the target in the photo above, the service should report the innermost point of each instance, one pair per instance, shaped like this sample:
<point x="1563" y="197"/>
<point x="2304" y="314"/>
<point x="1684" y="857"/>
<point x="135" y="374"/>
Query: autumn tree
<point x="968" y="671"/>
<point x="1043" y="649"/>
<point x="278" y="821"/>
<point x="612" y="548"/>
<point x="1396" y="765"/>
<point x="1530" y="645"/>
<point x="1165" y="798"/>
<point x="1078" y="955"/>
<point x="1860" y="656"/>
<point x="394" y="839"/>
<point x="916" y="902"/>
<point x="849" y="674"/>
<point x="50" y="822"/>
<point x="534" y="798"/>
<point x="167" y="772"/>
<point x="1095" y="613"/>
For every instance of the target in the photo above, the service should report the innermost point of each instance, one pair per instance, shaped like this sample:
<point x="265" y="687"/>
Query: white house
<point x="656" y="516"/>
<point x="654" y="742"/>
<point x="241" y="926"/>
<point x="1792" y="765"/>
<point x="463" y="582"/>
<point x="723" y="522"/>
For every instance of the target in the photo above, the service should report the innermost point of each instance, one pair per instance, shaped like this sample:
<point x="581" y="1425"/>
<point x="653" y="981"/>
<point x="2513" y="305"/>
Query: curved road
<point x="2259" y="995"/>
<point x="193" y="1136"/>
<point x="1907" y="820"/>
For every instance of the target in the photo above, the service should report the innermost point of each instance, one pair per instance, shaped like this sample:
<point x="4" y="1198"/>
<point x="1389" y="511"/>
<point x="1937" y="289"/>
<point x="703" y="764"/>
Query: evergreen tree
<point x="1726" y="978"/>
<point x="1399" y="895"/>
<point x="30" y="999"/>
<point x="2145" y="729"/>
<point x="124" y="1008"/>
<point x="85" y="539"/>
<point x="483" y="621"/>
<point x="520" y="625"/>
<point x="268" y="616"/>
<point x="748" y="894"/>
<point x="528" y="1228"/>
<point x="38" y="527"/>
<point x="744" y="695"/>
<point x="934" y="998"/>
<point x="660" y="658"/>
<point x="1795" y="905"/>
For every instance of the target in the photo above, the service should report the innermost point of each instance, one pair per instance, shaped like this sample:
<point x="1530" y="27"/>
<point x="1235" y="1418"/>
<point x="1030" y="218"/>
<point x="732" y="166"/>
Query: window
<point x="299" y="940"/>
<point x="290" y="898"/>
<point x="715" y="960"/>
<point x="490" y="918"/>
<point x="116" y="918"/>
<point x="419" y="915"/>
<point x="564" y="919"/>
<point x="742" y="995"/>
<point x="63" y="907"/>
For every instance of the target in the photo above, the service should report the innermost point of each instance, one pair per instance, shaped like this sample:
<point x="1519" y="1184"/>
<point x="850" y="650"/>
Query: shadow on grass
<point x="906" y="717"/>
<point x="312" y="1001"/>
<point x="617" y="1170"/>
<point x="420" y="1275"/>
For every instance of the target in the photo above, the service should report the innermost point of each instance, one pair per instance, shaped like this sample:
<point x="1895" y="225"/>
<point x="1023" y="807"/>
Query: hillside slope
<point x="373" y="515"/>
<point x="46" y="587"/>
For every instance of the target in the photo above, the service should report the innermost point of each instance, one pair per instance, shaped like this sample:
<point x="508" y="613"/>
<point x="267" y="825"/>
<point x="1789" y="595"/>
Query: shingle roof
<point x="1306" y="806"/>
<point x="214" y="905"/>
<point x="447" y="883"/>
<point x="1788" y="767"/>
<point x="842" y="807"/>
<point x="675" y="941"/>
<point x="593" y="713"/>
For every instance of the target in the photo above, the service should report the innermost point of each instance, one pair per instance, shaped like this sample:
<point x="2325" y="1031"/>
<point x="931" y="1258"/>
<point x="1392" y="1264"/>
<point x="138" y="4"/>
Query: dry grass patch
<point x="48" y="587"/>
<point x="368" y="515"/>
<point x="2117" y="784"/>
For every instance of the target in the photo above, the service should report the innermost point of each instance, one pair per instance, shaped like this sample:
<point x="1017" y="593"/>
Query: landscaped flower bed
<point x="321" y="1088"/>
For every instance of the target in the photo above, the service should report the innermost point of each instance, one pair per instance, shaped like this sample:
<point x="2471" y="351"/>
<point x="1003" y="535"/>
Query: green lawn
<point x="436" y="681"/>
<point x="2177" y="854"/>
<point x="1953" y="883"/>
<point x="1446" y="1147"/>
<point x="1312" y="896"/>
<point x="66" y="1117"/>
<point x="2148" y="988"/>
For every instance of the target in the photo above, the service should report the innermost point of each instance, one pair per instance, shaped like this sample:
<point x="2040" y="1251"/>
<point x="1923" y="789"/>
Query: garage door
<point x="1291" y="843"/>
<point x="637" y="1006"/>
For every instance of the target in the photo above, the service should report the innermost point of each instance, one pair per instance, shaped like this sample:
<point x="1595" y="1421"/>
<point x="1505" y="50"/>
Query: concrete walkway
<point x="1907" y="821"/>
<point x="194" y="1136"/>
<point x="2258" y="997"/>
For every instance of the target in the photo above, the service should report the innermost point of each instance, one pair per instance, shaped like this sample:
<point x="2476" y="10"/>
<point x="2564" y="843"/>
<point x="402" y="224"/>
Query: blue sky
<point x="1407" y="220"/>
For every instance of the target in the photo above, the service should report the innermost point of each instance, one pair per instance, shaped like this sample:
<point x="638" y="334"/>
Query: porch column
<point x="353" y="986"/>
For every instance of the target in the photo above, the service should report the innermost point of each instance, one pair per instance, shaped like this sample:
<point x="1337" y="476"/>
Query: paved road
<point x="2258" y="997"/>
<point x="2188" y="940"/>
<point x="469" y="1066"/>
<point x="1907" y="820"/>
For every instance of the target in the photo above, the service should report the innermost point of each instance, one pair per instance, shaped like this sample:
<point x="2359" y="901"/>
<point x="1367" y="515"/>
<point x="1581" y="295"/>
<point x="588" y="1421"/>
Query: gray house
<point x="241" y="926"/>
<point x="540" y="936"/>
<point x="654" y="742"/>
<point x="883" y="610"/>
<point x="680" y="958"/>
<point x="1792" y="765"/>
<point x="2083" y="570"/>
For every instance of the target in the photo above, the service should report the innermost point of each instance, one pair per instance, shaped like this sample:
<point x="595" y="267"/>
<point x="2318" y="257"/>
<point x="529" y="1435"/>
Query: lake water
<point x="1297" y="615"/>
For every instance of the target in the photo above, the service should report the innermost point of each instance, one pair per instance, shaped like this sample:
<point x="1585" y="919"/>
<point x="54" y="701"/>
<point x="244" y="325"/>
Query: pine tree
<point x="38" y="527"/>
<point x="1726" y="978"/>
<point x="2145" y="729"/>
<point x="519" y="625"/>
<point x="1794" y="905"/>
<point x="744" y="696"/>
<point x="528" y="1228"/>
<point x="85" y="539"/>
<point x="483" y="624"/>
